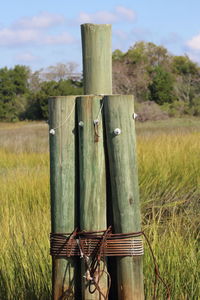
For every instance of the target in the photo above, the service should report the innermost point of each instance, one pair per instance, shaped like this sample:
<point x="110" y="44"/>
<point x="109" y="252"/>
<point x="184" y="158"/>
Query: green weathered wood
<point x="92" y="178"/>
<point x="97" y="58"/>
<point x="97" y="76"/>
<point x="62" y="185"/>
<point x="118" y="112"/>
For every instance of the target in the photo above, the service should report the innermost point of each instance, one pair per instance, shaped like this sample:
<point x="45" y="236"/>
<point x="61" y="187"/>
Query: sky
<point x="41" y="33"/>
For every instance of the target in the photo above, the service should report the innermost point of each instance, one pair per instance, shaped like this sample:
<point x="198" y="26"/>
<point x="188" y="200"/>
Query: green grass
<point x="169" y="175"/>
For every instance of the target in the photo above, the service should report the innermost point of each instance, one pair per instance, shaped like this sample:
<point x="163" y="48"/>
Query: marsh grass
<point x="169" y="177"/>
<point x="24" y="137"/>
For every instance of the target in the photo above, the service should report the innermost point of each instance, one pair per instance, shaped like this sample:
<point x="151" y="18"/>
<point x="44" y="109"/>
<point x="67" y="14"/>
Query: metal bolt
<point x="117" y="131"/>
<point x="81" y="124"/>
<point x="52" y="131"/>
<point x="135" y="116"/>
<point x="96" y="122"/>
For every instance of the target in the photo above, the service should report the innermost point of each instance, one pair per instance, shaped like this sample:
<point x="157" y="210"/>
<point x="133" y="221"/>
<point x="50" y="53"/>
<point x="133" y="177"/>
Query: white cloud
<point x="24" y="37"/>
<point x="63" y="38"/>
<point x="99" y="17"/>
<point x="26" y="57"/>
<point x="43" y="20"/>
<point x="34" y="31"/>
<point x="194" y="43"/>
<point x="194" y="56"/>
<point x="120" y="14"/>
<point x="126" y="13"/>
<point x="193" y="48"/>
<point x="11" y="37"/>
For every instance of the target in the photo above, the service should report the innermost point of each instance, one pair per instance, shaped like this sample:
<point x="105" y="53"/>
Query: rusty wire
<point x="96" y="245"/>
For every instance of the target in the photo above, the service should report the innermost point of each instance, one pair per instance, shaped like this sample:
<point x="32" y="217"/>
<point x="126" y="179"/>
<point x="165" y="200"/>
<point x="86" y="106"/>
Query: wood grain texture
<point x="118" y="111"/>
<point x="97" y="78"/>
<point x="97" y="58"/>
<point x="92" y="177"/>
<point x="62" y="185"/>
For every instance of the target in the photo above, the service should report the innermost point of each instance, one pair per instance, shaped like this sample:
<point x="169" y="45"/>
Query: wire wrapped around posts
<point x="98" y="245"/>
<point x="93" y="243"/>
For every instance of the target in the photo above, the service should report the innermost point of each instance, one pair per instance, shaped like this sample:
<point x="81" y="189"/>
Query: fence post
<point x="62" y="186"/>
<point x="121" y="145"/>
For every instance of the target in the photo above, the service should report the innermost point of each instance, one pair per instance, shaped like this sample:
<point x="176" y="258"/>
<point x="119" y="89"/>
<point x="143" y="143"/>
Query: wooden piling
<point x="62" y="185"/>
<point x="97" y="78"/>
<point x="97" y="58"/>
<point x="92" y="178"/>
<point x="118" y="112"/>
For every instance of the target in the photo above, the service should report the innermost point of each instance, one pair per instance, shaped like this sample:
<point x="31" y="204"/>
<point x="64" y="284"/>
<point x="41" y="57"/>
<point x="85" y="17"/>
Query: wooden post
<point x="97" y="59"/>
<point x="92" y="178"/>
<point x="62" y="174"/>
<point x="118" y="112"/>
<point x="97" y="76"/>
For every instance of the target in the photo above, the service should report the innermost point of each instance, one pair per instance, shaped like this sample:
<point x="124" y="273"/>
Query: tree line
<point x="24" y="94"/>
<point x="146" y="70"/>
<point x="151" y="73"/>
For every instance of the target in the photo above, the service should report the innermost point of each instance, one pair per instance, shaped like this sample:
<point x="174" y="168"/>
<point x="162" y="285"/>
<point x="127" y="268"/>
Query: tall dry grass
<point x="169" y="175"/>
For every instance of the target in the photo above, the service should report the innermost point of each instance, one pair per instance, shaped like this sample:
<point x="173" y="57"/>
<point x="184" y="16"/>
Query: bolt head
<point x="81" y="124"/>
<point x="96" y="122"/>
<point x="135" y="116"/>
<point x="117" y="131"/>
<point x="52" y="131"/>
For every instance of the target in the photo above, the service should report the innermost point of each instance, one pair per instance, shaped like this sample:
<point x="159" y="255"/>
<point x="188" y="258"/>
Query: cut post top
<point x="97" y="58"/>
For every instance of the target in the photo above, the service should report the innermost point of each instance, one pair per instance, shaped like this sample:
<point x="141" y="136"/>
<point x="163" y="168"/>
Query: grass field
<point x="169" y="176"/>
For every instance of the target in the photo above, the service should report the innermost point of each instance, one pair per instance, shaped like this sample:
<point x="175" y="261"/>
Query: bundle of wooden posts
<point x="93" y="167"/>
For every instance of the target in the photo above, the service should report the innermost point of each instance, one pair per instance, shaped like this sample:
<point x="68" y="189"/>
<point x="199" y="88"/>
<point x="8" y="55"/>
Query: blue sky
<point x="41" y="33"/>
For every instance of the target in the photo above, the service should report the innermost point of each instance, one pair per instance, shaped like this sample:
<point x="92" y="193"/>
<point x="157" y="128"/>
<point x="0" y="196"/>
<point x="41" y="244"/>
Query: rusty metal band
<point x="94" y="243"/>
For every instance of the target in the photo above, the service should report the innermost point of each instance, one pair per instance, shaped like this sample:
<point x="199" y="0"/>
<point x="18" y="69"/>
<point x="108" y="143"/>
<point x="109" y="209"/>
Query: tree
<point x="19" y="76"/>
<point x="187" y="73"/>
<point x="38" y="101"/>
<point x="133" y="71"/>
<point x="35" y="80"/>
<point x="117" y="55"/>
<point x="161" y="88"/>
<point x="149" y="54"/>
<point x="130" y="75"/>
<point x="60" y="71"/>
<point x="182" y="65"/>
<point x="13" y="88"/>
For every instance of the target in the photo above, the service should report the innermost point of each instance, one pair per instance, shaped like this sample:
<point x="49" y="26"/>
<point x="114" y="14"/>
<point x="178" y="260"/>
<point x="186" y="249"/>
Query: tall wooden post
<point x="97" y="59"/>
<point x="120" y="132"/>
<point x="62" y="181"/>
<point x="97" y="76"/>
